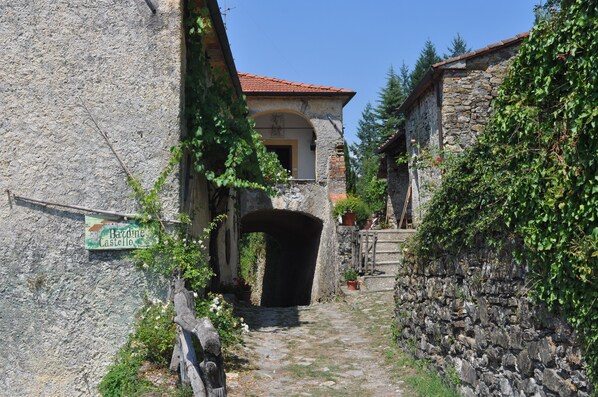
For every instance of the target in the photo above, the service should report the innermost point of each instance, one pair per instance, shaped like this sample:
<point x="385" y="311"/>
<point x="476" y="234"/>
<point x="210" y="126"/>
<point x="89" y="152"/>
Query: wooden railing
<point x="364" y="251"/>
<point x="207" y="378"/>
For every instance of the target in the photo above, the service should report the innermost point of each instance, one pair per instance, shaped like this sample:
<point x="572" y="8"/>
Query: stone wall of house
<point x="310" y="200"/>
<point x="467" y="96"/>
<point x="65" y="311"/>
<point x="344" y="250"/>
<point x="471" y="317"/>
<point x="397" y="177"/>
<point x="319" y="113"/>
<point x="422" y="138"/>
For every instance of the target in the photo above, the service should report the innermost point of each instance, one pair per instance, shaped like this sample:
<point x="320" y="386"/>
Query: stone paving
<point x="327" y="349"/>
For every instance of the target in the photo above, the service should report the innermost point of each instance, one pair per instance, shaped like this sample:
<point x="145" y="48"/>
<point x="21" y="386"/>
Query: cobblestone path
<point x="327" y="349"/>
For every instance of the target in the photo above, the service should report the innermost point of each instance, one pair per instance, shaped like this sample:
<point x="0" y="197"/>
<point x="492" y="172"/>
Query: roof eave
<point x="346" y="95"/>
<point x="224" y="45"/>
<point x="438" y="68"/>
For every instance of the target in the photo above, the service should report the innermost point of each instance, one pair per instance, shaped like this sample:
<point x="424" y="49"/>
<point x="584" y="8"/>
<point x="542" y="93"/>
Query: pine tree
<point x="368" y="136"/>
<point x="389" y="99"/>
<point x="349" y="170"/>
<point x="427" y="58"/>
<point x="458" y="47"/>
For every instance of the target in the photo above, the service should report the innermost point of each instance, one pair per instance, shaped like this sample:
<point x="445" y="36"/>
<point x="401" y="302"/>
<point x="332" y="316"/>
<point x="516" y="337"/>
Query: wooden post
<point x="367" y="251"/>
<point x="208" y="378"/>
<point x="374" y="252"/>
<point x="404" y="212"/>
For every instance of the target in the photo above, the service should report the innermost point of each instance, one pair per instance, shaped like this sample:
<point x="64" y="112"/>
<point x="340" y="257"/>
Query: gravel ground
<point x="326" y="349"/>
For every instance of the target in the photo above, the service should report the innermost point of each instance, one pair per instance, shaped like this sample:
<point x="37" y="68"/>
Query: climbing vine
<point x="533" y="175"/>
<point x="224" y="144"/>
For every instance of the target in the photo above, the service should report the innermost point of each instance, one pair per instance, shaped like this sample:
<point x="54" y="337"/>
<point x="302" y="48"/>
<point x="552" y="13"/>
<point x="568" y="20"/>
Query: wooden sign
<point x="115" y="233"/>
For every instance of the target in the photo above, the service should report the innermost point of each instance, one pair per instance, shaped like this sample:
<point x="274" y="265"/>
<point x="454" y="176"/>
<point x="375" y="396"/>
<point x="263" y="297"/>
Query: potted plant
<point x="351" y="209"/>
<point x="351" y="279"/>
<point x="242" y="289"/>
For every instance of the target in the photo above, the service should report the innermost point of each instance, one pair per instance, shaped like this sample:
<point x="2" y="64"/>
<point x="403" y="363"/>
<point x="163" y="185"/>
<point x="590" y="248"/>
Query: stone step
<point x="387" y="257"/>
<point x="374" y="283"/>
<point x="387" y="269"/>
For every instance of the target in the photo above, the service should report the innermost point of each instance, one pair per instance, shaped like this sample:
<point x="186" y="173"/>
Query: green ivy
<point x="533" y="175"/>
<point x="224" y="144"/>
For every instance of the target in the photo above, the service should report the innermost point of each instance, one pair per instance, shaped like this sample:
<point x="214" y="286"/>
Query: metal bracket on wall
<point x="151" y="6"/>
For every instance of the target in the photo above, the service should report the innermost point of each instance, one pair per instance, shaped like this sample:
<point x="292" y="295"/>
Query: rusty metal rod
<point x="81" y="208"/>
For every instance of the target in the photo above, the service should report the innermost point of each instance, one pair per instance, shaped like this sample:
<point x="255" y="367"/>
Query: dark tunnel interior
<point x="288" y="275"/>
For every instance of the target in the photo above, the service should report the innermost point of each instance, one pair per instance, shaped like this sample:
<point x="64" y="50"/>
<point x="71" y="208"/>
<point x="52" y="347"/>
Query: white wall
<point x="306" y="163"/>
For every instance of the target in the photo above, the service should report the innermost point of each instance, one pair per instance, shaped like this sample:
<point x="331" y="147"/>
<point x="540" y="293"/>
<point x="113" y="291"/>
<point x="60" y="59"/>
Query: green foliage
<point x="223" y="141"/>
<point x="152" y="340"/>
<point x="350" y="176"/>
<point x="458" y="47"/>
<point x="155" y="333"/>
<point x="230" y="327"/>
<point x="122" y="378"/>
<point x="352" y="204"/>
<point x="252" y="246"/>
<point x="427" y="58"/>
<point x="350" y="275"/>
<point x="374" y="193"/>
<point x="390" y="98"/>
<point x="533" y="175"/>
<point x="177" y="252"/>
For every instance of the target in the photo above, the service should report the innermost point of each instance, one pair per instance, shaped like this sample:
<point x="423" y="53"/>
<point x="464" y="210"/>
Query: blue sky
<point x="351" y="44"/>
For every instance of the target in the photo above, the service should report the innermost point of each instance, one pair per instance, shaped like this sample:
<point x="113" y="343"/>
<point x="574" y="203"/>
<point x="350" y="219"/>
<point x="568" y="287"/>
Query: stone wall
<point x="65" y="311"/>
<point x="344" y="250"/>
<point x="467" y="96"/>
<point x="319" y="113"/>
<point x="422" y="138"/>
<point x="471" y="317"/>
<point x="450" y="114"/>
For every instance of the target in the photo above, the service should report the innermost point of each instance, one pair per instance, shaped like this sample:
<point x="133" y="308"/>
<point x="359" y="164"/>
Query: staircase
<point x="379" y="256"/>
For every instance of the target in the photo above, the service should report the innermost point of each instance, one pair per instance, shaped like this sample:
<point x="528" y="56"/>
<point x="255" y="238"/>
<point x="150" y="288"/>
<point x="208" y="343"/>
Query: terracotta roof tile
<point x="251" y="83"/>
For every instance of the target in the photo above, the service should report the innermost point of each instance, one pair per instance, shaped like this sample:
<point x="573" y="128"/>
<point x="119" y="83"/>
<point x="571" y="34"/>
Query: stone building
<point x="302" y="123"/>
<point x="70" y="68"/>
<point x="445" y="112"/>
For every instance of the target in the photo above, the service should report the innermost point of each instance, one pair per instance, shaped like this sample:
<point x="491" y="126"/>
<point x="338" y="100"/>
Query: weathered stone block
<point x="553" y="381"/>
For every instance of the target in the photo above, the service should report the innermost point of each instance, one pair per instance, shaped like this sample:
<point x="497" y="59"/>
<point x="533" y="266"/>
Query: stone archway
<point x="288" y="277"/>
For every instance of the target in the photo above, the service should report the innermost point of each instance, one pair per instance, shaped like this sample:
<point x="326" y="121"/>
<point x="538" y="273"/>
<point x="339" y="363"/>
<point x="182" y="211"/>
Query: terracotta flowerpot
<point x="353" y="285"/>
<point x="349" y="219"/>
<point x="244" y="295"/>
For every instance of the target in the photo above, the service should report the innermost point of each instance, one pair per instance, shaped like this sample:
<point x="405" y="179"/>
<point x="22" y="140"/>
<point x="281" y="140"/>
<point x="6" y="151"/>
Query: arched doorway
<point x="289" y="273"/>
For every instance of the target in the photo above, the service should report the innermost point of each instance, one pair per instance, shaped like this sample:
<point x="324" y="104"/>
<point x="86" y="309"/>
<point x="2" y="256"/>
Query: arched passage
<point x="288" y="277"/>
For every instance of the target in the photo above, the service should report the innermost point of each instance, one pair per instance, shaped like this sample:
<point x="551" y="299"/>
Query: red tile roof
<point x="253" y="84"/>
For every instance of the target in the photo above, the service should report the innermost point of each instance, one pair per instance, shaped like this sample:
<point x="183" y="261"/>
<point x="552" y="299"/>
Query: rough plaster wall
<point x="317" y="112"/>
<point x="59" y="334"/>
<point x="421" y="126"/>
<point x="468" y="95"/>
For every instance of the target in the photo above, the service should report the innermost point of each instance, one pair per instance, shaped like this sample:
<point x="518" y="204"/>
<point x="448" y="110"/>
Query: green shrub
<point x="352" y="204"/>
<point x="251" y="247"/>
<point x="350" y="275"/>
<point x="230" y="327"/>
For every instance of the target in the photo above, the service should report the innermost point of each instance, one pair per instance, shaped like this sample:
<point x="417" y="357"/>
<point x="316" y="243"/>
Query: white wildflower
<point x="145" y="266"/>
